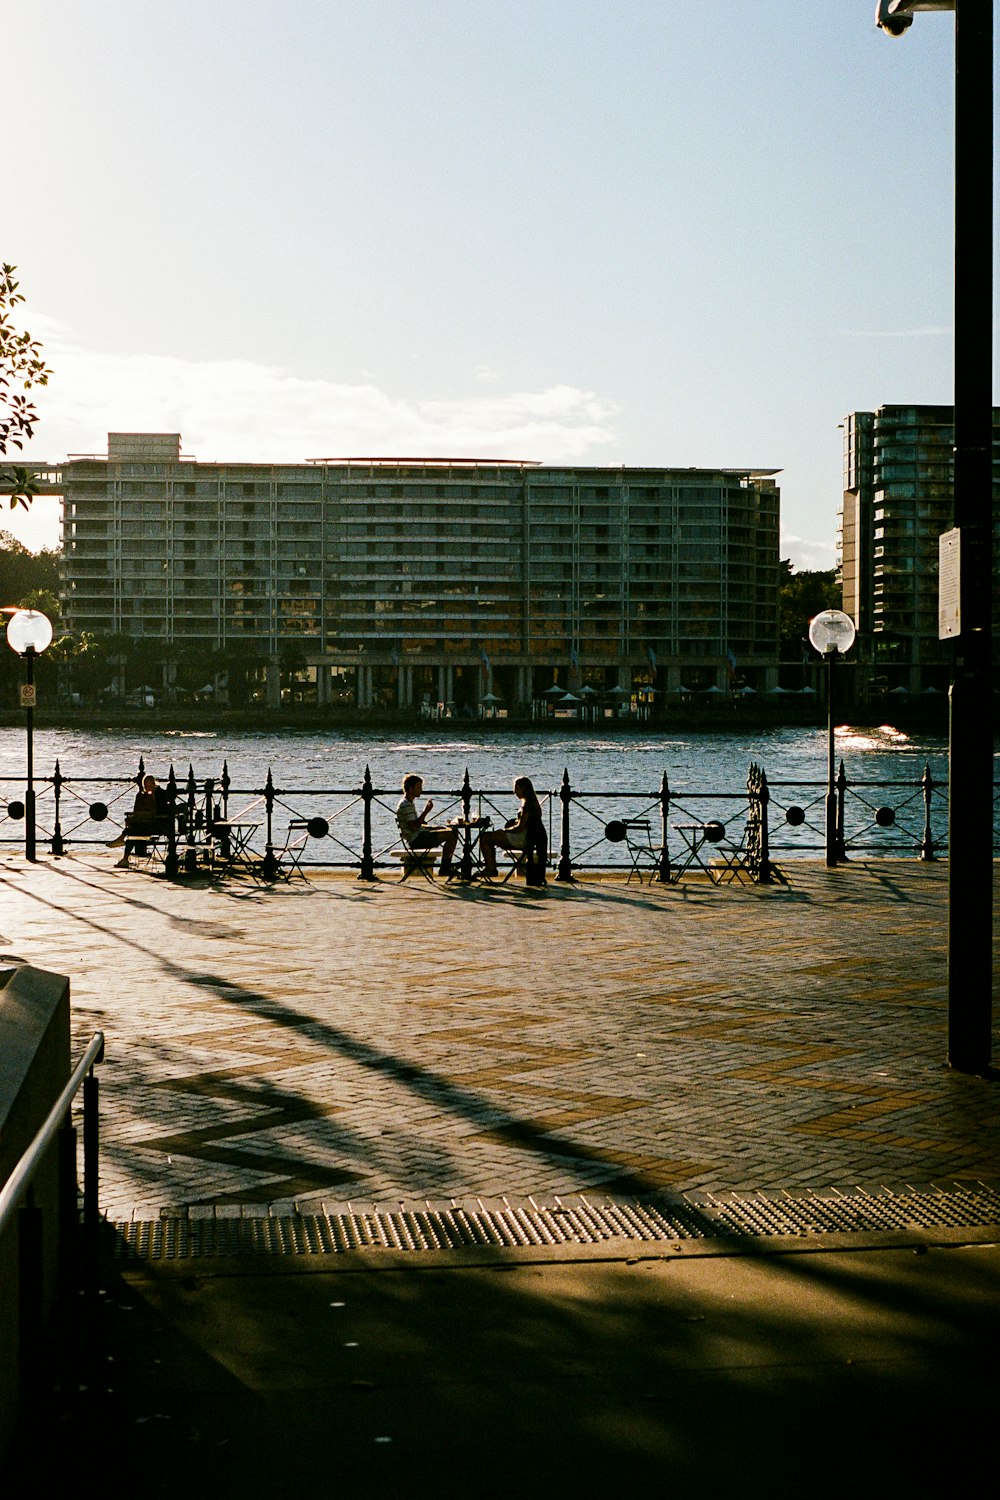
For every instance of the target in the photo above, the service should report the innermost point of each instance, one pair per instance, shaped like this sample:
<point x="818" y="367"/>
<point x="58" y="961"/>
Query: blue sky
<point x="669" y="233"/>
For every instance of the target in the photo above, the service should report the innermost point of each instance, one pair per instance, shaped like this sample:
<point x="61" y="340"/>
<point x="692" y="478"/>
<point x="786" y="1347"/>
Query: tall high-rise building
<point x="898" y="499"/>
<point x="421" y="578"/>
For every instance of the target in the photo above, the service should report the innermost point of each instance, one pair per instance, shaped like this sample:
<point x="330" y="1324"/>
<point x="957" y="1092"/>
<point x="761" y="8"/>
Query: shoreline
<point x="931" y="718"/>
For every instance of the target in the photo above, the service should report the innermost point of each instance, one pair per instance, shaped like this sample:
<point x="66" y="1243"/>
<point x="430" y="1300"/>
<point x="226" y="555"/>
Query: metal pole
<point x="970" y="773"/>
<point x="565" y="871"/>
<point x="831" y="784"/>
<point x="367" y="859"/>
<point x="91" y="1180"/>
<point x="29" y="795"/>
<point x="663" y="870"/>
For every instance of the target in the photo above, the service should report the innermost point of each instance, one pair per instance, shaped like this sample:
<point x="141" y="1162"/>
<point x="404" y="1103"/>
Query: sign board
<point x="28" y="699"/>
<point x="949" y="585"/>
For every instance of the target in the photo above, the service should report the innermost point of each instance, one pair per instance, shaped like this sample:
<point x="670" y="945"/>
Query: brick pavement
<point x="328" y="1041"/>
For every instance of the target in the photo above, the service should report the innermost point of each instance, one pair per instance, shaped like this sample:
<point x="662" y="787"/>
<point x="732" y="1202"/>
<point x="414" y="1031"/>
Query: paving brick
<point x="330" y="1040"/>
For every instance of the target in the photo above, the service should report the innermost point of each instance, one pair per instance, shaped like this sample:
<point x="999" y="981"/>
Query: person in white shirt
<point x="413" y="824"/>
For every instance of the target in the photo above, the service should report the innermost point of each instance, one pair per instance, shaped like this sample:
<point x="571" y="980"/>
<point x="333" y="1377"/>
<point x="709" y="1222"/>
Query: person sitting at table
<point x="149" y="817"/>
<point x="412" y="824"/>
<point x="524" y="834"/>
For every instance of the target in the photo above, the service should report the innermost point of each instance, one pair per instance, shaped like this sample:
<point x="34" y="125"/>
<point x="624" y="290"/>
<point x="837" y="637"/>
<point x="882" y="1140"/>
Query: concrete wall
<point x="34" y="1067"/>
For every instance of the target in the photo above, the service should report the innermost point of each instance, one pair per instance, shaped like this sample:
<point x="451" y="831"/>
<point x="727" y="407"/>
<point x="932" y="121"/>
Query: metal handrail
<point x="17" y="1201"/>
<point x="20" y="1179"/>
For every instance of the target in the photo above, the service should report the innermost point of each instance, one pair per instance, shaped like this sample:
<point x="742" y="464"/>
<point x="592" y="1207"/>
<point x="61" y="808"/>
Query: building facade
<point x="898" y="499"/>
<point x="408" y="581"/>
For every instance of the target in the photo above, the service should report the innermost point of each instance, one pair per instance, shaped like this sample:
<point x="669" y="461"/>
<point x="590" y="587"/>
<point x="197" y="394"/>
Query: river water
<point x="632" y="761"/>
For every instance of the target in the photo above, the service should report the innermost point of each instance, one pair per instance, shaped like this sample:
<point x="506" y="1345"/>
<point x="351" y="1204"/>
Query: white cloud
<point x="806" y="555"/>
<point x="238" y="410"/>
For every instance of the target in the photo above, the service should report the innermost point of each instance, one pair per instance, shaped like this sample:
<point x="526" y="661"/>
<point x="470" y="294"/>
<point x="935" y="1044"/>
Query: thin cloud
<point x="237" y="409"/>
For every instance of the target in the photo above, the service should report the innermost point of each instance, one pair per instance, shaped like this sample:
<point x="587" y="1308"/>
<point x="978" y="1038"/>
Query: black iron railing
<point x="353" y="828"/>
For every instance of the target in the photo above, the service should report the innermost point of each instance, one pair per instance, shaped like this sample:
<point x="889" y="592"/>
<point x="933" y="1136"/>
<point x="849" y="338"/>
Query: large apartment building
<point x="898" y="499"/>
<point x="409" y="580"/>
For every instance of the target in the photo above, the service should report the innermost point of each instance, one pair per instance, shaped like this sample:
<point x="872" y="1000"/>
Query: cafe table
<point x="470" y="865"/>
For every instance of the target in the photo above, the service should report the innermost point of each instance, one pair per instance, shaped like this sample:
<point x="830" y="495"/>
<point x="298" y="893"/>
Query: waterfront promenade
<point x="330" y="1041"/>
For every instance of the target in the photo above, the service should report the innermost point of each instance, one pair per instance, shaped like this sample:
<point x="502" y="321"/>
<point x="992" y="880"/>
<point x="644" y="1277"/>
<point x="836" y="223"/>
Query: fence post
<point x="91" y="1180"/>
<point x="173" y="862"/>
<point x="565" y="871"/>
<point x="191" y="852"/>
<point x="927" y="842"/>
<point x="67" y="1250"/>
<point x="57" y="838"/>
<point x="840" y="844"/>
<point x="30" y="1302"/>
<point x="269" y="864"/>
<point x="367" y="860"/>
<point x="663" y="869"/>
<point x="764" y="798"/>
<point x="466" y="796"/>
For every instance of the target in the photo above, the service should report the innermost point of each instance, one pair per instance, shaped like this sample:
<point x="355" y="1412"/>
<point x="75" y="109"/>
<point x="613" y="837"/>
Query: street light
<point x="28" y="633"/>
<point x="970" y="742"/>
<point x="832" y="633"/>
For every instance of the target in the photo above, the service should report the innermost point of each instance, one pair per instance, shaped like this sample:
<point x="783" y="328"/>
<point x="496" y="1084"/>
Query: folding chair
<point x="706" y="847"/>
<point x="636" y="835"/>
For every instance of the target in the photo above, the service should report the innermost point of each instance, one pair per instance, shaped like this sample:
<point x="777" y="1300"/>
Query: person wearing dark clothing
<point x="524" y="834"/>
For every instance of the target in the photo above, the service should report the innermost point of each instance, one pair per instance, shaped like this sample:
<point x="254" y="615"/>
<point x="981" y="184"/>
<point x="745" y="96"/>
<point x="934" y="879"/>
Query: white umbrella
<point x="554" y="691"/>
<point x="569" y="698"/>
<point x="490" y="698"/>
<point x="714" y="689"/>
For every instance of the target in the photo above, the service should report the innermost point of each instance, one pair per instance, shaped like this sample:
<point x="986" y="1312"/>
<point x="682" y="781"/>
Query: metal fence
<point x="643" y="830"/>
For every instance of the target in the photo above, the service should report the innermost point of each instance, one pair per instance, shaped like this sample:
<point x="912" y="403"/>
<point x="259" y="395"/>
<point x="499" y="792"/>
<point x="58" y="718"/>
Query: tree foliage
<point x="800" y="597"/>
<point x="29" y="579"/>
<point x="21" y="369"/>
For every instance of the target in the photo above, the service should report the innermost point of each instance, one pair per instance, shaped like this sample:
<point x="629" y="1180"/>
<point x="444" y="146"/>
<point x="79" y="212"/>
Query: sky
<point x="643" y="232"/>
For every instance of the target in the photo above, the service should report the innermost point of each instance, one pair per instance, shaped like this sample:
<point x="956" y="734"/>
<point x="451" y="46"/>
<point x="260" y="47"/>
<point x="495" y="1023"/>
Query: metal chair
<point x="707" y="847"/>
<point x="636" y="835"/>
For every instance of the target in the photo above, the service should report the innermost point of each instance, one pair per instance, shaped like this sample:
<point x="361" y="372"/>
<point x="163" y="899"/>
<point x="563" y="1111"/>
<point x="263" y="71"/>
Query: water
<point x="318" y="774"/>
<point x="312" y="759"/>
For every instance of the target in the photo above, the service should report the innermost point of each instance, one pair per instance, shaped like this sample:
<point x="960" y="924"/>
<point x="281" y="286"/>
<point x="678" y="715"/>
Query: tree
<point x="800" y="597"/>
<point x="21" y="368"/>
<point x="28" y="579"/>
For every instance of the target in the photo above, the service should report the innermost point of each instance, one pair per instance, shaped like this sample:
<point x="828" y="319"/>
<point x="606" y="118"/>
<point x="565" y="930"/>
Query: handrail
<point x="20" y="1178"/>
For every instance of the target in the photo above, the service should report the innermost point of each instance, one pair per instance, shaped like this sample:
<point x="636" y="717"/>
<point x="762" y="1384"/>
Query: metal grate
<point x="254" y="1230"/>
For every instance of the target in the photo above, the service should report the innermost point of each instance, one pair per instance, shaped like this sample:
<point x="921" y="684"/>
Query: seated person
<point x="411" y="824"/>
<point x="525" y="832"/>
<point x="149" y="817"/>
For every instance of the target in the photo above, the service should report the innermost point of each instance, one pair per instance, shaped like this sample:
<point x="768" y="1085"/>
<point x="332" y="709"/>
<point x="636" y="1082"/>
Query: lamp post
<point x="28" y="633"/>
<point x="970" y="741"/>
<point x="832" y="633"/>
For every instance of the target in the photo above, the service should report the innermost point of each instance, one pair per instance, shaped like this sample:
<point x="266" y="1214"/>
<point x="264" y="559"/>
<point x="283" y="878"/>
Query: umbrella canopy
<point x="555" y="691"/>
<point x="569" y="698"/>
<point x="617" y="692"/>
<point x="589" y="692"/>
<point x="490" y="698"/>
<point x="714" y="689"/>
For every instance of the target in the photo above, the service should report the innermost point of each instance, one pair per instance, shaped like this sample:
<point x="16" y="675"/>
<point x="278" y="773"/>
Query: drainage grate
<point x="180" y="1234"/>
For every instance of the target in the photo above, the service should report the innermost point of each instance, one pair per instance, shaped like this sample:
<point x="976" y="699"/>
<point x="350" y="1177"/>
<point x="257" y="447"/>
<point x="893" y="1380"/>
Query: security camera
<point x="890" y="16"/>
